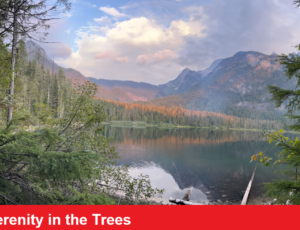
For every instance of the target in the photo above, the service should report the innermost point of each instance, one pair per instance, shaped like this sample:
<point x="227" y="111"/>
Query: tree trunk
<point x="48" y="98"/>
<point x="13" y="64"/>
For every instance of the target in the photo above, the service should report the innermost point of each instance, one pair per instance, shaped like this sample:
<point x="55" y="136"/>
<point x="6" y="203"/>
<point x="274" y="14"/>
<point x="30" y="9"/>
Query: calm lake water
<point x="215" y="163"/>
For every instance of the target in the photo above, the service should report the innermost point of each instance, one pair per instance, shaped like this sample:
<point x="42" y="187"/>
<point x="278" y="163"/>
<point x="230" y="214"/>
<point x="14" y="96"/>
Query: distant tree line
<point x="122" y="111"/>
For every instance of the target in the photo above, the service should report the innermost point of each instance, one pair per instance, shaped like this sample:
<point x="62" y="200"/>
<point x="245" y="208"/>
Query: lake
<point x="215" y="163"/>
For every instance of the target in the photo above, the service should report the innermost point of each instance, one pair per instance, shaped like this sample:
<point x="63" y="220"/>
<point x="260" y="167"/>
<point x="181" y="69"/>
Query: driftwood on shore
<point x="245" y="198"/>
<point x="181" y="202"/>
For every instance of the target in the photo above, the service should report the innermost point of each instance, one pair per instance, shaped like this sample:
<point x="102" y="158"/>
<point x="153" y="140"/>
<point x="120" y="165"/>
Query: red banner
<point x="149" y="217"/>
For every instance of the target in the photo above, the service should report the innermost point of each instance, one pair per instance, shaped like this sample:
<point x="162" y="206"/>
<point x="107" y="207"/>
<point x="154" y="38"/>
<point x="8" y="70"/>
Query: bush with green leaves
<point x="285" y="190"/>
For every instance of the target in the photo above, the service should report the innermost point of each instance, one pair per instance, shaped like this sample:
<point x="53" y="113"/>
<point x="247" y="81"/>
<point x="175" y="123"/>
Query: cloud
<point x="122" y="59"/>
<point x="112" y="56"/>
<point x="53" y="46"/>
<point x="164" y="55"/>
<point x="233" y="26"/>
<point x="58" y="50"/>
<point x="162" y="37"/>
<point x="103" y="19"/>
<point x="145" y="48"/>
<point x="143" y="59"/>
<point x="112" y="11"/>
<point x="160" y="56"/>
<point x="106" y="54"/>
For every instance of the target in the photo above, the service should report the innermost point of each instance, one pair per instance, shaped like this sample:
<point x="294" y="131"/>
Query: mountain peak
<point x="242" y="54"/>
<point x="206" y="71"/>
<point x="33" y="48"/>
<point x="185" y="80"/>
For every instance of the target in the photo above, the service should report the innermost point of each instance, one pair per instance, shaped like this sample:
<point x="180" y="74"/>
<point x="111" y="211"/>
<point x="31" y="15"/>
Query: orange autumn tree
<point x="178" y="115"/>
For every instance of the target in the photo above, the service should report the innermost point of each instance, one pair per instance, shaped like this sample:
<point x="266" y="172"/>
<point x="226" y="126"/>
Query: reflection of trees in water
<point x="215" y="162"/>
<point x="180" y="135"/>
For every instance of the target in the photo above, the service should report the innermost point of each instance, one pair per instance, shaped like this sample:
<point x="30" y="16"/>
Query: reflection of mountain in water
<point x="215" y="162"/>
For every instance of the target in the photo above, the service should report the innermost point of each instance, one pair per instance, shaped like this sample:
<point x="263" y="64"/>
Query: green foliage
<point x="62" y="158"/>
<point x="65" y="161"/>
<point x="5" y="73"/>
<point x="283" y="190"/>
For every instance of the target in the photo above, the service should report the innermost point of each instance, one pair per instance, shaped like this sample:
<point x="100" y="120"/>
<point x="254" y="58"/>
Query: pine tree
<point x="65" y="160"/>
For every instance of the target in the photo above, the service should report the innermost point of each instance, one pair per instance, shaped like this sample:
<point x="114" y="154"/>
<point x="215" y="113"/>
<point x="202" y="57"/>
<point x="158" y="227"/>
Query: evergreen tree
<point x="65" y="161"/>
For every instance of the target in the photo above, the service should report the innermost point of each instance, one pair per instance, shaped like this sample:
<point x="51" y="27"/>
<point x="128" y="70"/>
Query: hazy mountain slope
<point x="206" y="71"/>
<point x="181" y="84"/>
<point x="170" y="101"/>
<point x="117" y="83"/>
<point x="137" y="91"/>
<point x="33" y="50"/>
<point x="238" y="79"/>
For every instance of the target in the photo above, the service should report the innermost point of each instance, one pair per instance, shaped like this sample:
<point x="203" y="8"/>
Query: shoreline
<point x="140" y="124"/>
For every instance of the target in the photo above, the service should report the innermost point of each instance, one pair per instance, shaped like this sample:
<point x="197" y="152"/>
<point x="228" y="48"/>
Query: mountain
<point x="206" y="71"/>
<point x="186" y="79"/>
<point x="237" y="86"/>
<point x="122" y="91"/>
<point x="139" y="91"/>
<point x="35" y="51"/>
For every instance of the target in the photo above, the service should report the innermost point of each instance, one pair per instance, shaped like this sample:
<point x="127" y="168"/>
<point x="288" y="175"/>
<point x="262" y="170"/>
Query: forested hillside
<point x="37" y="87"/>
<point x="118" y="111"/>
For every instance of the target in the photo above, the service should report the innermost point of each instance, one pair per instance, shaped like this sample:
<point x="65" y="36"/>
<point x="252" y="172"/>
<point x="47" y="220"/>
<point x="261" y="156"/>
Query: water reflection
<point x="214" y="163"/>
<point x="162" y="179"/>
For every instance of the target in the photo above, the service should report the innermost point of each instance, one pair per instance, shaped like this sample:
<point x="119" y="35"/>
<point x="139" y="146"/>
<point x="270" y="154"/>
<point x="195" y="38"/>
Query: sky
<point x="154" y="40"/>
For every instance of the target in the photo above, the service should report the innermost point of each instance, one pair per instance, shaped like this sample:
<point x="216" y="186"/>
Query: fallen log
<point x="185" y="200"/>
<point x="245" y="198"/>
<point x="182" y="202"/>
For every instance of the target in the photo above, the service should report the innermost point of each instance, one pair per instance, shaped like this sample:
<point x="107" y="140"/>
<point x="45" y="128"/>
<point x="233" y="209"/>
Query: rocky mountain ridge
<point x="236" y="86"/>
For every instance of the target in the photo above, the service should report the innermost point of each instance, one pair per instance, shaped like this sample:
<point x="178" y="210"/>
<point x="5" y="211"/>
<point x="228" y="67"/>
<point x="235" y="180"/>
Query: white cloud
<point x="111" y="55"/>
<point x="58" y="50"/>
<point x="195" y="34"/>
<point x="103" y="19"/>
<point x="68" y="31"/>
<point x="112" y="11"/>
<point x="136" y="49"/>
<point x="241" y="25"/>
<point x="160" y="56"/>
